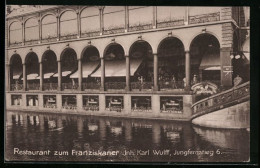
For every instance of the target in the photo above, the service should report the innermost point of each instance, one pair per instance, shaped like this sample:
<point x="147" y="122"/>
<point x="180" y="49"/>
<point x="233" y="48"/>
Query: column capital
<point x="155" y="54"/>
<point x="187" y="51"/>
<point x="127" y="56"/>
<point x="79" y="59"/>
<point x="58" y="60"/>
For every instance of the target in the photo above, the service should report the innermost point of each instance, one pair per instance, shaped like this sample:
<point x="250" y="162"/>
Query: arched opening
<point x="114" y="19"/>
<point x="114" y="67"/>
<point x="171" y="64"/>
<point x="205" y="59"/>
<point x="90" y="61"/>
<point x="69" y="65"/>
<point x="90" y="22"/>
<point x="49" y="68"/>
<point x="31" y="31"/>
<point x="68" y="25"/>
<point x="141" y="65"/>
<point x="16" y="70"/>
<point x="15" y="33"/>
<point x="49" y="28"/>
<point x="32" y="71"/>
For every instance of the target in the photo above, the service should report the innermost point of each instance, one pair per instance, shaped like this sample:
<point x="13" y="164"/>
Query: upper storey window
<point x="90" y="21"/>
<point x="140" y="15"/>
<point x="31" y="29"/>
<point x="15" y="32"/>
<point x="114" y="17"/>
<point x="203" y="14"/>
<point x="68" y="23"/>
<point x="168" y="13"/>
<point x="49" y="27"/>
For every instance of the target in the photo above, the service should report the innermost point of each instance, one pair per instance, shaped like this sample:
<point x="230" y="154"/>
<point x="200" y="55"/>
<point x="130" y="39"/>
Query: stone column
<point x="128" y="130"/>
<point x="59" y="101"/>
<point x="102" y="87"/>
<point x="7" y="77"/>
<point x="226" y="67"/>
<point x="155" y="17"/>
<point x="155" y="72"/>
<point x="127" y="61"/>
<point x="24" y="77"/>
<point x="79" y="102"/>
<point x="186" y="19"/>
<point x="59" y="76"/>
<point x="156" y="133"/>
<point x="80" y="74"/>
<point x="126" y="19"/>
<point x="187" y="70"/>
<point x="41" y="77"/>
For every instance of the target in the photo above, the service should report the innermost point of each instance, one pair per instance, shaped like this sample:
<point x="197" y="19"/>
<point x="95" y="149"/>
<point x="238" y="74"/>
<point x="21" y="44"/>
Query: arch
<point x="200" y="33"/>
<point x="14" y="56"/>
<point x="90" y="20"/>
<point x="68" y="20"/>
<point x="86" y="48"/>
<point x="167" y="38"/>
<point x="46" y="14"/>
<point x="30" y="54"/>
<point x="16" y="20"/>
<point x="31" y="29"/>
<point x="49" y="28"/>
<point x="29" y="18"/>
<point x="139" y="41"/>
<point x="65" y="10"/>
<point x="65" y="50"/>
<point x="46" y="52"/>
<point x="15" y="32"/>
<point x="112" y="44"/>
<point x="85" y="8"/>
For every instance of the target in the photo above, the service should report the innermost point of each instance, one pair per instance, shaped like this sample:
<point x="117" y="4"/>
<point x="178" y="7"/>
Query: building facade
<point x="136" y="61"/>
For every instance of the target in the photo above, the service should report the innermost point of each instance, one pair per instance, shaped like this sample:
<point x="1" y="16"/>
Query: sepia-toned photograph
<point x="127" y="83"/>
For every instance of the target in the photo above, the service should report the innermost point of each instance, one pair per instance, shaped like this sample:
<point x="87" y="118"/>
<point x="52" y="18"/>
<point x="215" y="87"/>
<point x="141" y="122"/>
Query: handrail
<point x="222" y="98"/>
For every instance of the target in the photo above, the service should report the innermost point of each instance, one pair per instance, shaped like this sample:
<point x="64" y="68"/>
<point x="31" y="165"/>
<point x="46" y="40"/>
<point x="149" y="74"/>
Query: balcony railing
<point x="90" y="108"/>
<point x="50" y="39"/>
<point x="33" y="86"/>
<point x="16" y="87"/>
<point x="143" y="86"/>
<point x="140" y="27"/>
<point x="90" y="85"/>
<point x="171" y="85"/>
<point x="66" y="86"/>
<point x="68" y="36"/>
<point x="210" y="17"/>
<point x="115" y="108"/>
<point x="90" y="34"/>
<point x="50" y="86"/>
<point x="222" y="98"/>
<point x="170" y="23"/>
<point x="30" y="42"/>
<point x="114" y="30"/>
<point x="115" y="85"/>
<point x="15" y="44"/>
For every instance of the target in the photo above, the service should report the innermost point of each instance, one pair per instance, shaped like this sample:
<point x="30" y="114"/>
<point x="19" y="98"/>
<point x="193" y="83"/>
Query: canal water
<point x="62" y="137"/>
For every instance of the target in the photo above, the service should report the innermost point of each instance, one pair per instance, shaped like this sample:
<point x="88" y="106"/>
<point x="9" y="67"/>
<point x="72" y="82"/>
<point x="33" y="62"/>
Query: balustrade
<point x="15" y="87"/>
<point x="70" y="86"/>
<point x="144" y="85"/>
<point x="33" y="86"/>
<point x="90" y="85"/>
<point x="30" y="42"/>
<point x="91" y="108"/>
<point x="140" y="27"/>
<point x="115" y="85"/>
<point x="50" y="86"/>
<point x="70" y="107"/>
<point x="141" y="109"/>
<point x="90" y="34"/>
<point x="210" y="17"/>
<point x="68" y="36"/>
<point x="15" y="44"/>
<point x="49" y="106"/>
<point x="170" y="23"/>
<point x="222" y="98"/>
<point x="171" y="85"/>
<point x="51" y="39"/>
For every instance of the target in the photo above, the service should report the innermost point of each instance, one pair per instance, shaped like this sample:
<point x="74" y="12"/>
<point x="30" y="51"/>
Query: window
<point x="171" y="104"/>
<point x="49" y="27"/>
<point x="31" y="29"/>
<point x="68" y="23"/>
<point x="16" y="100"/>
<point x="90" y="21"/>
<point x="141" y="103"/>
<point x="15" y="33"/>
<point x="90" y="103"/>
<point x="114" y="103"/>
<point x="49" y="101"/>
<point x="32" y="100"/>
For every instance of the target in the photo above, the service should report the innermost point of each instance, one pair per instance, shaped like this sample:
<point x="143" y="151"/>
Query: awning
<point x="17" y="75"/>
<point x="64" y="73"/>
<point x="117" y="68"/>
<point x="210" y="62"/>
<point x="87" y="69"/>
<point x="31" y="76"/>
<point x="246" y="48"/>
<point x="46" y="76"/>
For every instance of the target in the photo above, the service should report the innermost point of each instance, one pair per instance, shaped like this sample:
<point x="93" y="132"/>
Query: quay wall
<point x="154" y="113"/>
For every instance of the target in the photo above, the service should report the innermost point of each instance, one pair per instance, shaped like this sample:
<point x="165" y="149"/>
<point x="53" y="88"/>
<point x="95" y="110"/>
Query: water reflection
<point x="59" y="132"/>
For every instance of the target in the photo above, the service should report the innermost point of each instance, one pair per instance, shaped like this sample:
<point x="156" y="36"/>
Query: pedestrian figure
<point x="184" y="82"/>
<point x="195" y="79"/>
<point x="141" y="80"/>
<point x="237" y="80"/>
